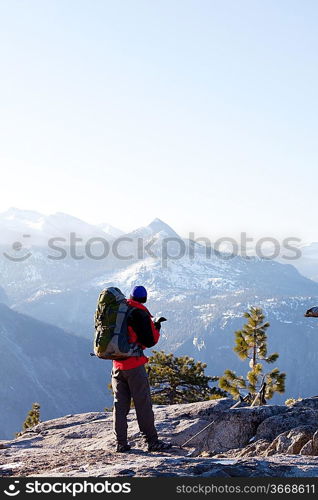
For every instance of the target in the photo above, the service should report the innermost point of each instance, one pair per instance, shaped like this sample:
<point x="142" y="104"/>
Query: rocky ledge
<point x="276" y="441"/>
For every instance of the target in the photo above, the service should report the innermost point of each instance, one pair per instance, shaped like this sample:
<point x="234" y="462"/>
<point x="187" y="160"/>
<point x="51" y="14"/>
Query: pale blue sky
<point x="203" y="113"/>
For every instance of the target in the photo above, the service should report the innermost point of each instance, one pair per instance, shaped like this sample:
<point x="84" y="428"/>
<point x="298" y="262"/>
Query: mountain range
<point x="39" y="228"/>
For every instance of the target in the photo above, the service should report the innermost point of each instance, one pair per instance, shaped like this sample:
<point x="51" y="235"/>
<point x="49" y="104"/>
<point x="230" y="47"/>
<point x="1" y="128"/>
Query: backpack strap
<point x="121" y="315"/>
<point x="117" y="293"/>
<point x="131" y="310"/>
<point x="138" y="351"/>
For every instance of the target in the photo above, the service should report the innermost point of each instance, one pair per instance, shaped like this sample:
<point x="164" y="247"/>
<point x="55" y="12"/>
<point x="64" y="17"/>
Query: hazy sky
<point x="203" y="113"/>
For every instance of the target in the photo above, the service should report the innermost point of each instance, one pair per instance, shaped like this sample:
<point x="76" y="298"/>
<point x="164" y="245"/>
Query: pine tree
<point x="179" y="380"/>
<point x="33" y="417"/>
<point x="251" y="343"/>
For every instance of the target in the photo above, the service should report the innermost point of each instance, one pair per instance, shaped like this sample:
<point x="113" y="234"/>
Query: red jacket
<point x="143" y="329"/>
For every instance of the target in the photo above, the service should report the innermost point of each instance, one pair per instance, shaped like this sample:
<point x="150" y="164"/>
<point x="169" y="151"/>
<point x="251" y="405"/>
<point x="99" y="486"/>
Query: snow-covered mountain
<point x="156" y="229"/>
<point x="34" y="228"/>
<point x="202" y="293"/>
<point x="110" y="230"/>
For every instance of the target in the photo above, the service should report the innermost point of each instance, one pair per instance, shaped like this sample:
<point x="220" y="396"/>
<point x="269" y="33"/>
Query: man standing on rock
<point x="130" y="379"/>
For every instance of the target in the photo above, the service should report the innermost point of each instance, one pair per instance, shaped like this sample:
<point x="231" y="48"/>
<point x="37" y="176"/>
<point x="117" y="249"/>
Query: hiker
<point x="130" y="379"/>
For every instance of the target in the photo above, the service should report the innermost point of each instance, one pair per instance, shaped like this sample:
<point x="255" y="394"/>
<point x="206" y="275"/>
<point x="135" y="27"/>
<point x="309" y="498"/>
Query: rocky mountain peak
<point x="273" y="440"/>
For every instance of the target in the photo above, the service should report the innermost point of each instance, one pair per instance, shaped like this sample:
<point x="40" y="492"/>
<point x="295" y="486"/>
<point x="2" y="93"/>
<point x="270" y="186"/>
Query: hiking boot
<point x="159" y="446"/>
<point x="122" y="448"/>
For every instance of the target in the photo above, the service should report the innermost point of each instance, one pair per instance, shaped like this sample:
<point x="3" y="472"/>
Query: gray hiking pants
<point x="127" y="384"/>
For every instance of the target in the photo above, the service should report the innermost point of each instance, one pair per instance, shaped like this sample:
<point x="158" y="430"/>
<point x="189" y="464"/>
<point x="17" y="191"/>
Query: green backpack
<point x="111" y="328"/>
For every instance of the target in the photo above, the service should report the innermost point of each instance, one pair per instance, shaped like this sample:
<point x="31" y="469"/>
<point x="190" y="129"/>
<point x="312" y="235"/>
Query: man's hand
<point x="157" y="325"/>
<point x="157" y="322"/>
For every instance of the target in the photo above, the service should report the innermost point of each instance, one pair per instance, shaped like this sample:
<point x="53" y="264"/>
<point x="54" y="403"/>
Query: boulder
<point x="307" y="403"/>
<point x="292" y="441"/>
<point x="235" y="428"/>
<point x="277" y="424"/>
<point x="311" y="447"/>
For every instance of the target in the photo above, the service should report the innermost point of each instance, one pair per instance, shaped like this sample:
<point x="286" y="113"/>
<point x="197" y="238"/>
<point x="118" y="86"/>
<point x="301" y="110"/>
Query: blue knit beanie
<point x="139" y="293"/>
